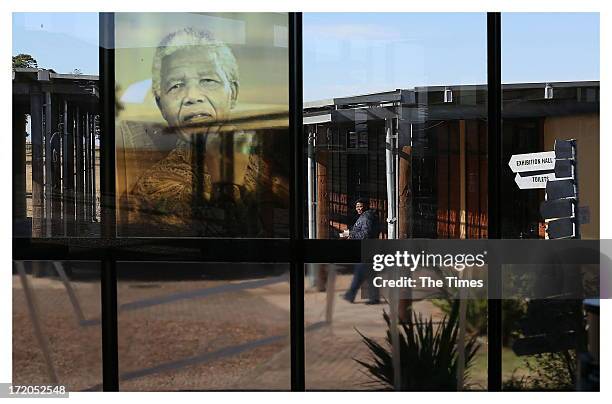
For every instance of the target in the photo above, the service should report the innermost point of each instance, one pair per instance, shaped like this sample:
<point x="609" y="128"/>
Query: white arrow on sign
<point x="534" y="181"/>
<point x="520" y="163"/>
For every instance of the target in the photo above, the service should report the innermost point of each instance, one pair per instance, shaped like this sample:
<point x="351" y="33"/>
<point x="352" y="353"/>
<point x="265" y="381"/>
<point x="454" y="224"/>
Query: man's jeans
<point x="363" y="273"/>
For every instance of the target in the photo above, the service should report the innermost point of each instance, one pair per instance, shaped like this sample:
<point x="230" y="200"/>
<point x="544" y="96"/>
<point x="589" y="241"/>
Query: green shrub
<point x="549" y="371"/>
<point x="512" y="311"/>
<point x="476" y="314"/>
<point x="553" y="371"/>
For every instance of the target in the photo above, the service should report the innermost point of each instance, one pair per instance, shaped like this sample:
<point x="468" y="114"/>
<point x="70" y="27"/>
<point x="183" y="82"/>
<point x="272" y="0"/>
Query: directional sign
<point x="520" y="163"/>
<point x="562" y="194"/>
<point x="564" y="149"/>
<point x="545" y="343"/>
<point x="564" y="169"/>
<point x="562" y="228"/>
<point x="533" y="181"/>
<point x="557" y="209"/>
<point x="560" y="189"/>
<point x="550" y="325"/>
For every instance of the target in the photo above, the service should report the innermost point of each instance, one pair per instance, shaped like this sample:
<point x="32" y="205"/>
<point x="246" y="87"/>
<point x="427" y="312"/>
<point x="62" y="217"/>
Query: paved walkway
<point x="331" y="349"/>
<point x="184" y="335"/>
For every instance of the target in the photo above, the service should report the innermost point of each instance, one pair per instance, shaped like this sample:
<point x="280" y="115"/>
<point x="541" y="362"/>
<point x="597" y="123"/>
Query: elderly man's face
<point x="194" y="89"/>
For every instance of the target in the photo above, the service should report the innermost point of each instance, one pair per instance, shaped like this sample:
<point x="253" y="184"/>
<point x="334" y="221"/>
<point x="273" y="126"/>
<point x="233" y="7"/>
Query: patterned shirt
<point x="174" y="199"/>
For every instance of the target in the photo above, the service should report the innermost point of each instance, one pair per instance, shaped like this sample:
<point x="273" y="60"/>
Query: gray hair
<point x="187" y="38"/>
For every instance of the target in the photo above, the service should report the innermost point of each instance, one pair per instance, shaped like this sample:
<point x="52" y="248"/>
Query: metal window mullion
<point x="494" y="163"/>
<point x="110" y="361"/>
<point x="296" y="143"/>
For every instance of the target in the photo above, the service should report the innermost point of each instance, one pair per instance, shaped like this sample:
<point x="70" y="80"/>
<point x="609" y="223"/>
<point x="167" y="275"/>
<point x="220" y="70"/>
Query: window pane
<point x="370" y="75"/>
<point x="201" y="326"/>
<point x="347" y="347"/>
<point x="551" y="92"/>
<point x="57" y="335"/>
<point x="555" y="96"/>
<point x="395" y="113"/>
<point x="201" y="126"/>
<point x="56" y="167"/>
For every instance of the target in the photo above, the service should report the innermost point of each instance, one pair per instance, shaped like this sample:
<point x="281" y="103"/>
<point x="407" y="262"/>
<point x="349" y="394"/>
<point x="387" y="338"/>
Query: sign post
<point x="561" y="204"/>
<point x="551" y="325"/>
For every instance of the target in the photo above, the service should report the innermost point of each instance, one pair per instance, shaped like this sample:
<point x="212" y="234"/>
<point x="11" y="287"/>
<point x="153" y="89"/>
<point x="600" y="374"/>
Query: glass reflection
<point x="195" y="326"/>
<point x="56" y="125"/>
<point x="56" y="324"/>
<point x="202" y="146"/>
<point x="351" y="345"/>
<point x="388" y="124"/>
<point x="556" y="98"/>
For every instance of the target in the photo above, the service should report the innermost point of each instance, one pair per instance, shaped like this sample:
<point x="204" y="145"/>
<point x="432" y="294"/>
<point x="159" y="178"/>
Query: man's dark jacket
<point x="366" y="226"/>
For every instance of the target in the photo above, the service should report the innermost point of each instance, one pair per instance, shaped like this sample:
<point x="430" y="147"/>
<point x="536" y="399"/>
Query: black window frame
<point x="296" y="250"/>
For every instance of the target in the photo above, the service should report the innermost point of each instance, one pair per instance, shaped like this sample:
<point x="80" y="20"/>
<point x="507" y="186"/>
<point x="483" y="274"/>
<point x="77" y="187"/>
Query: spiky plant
<point x="428" y="355"/>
